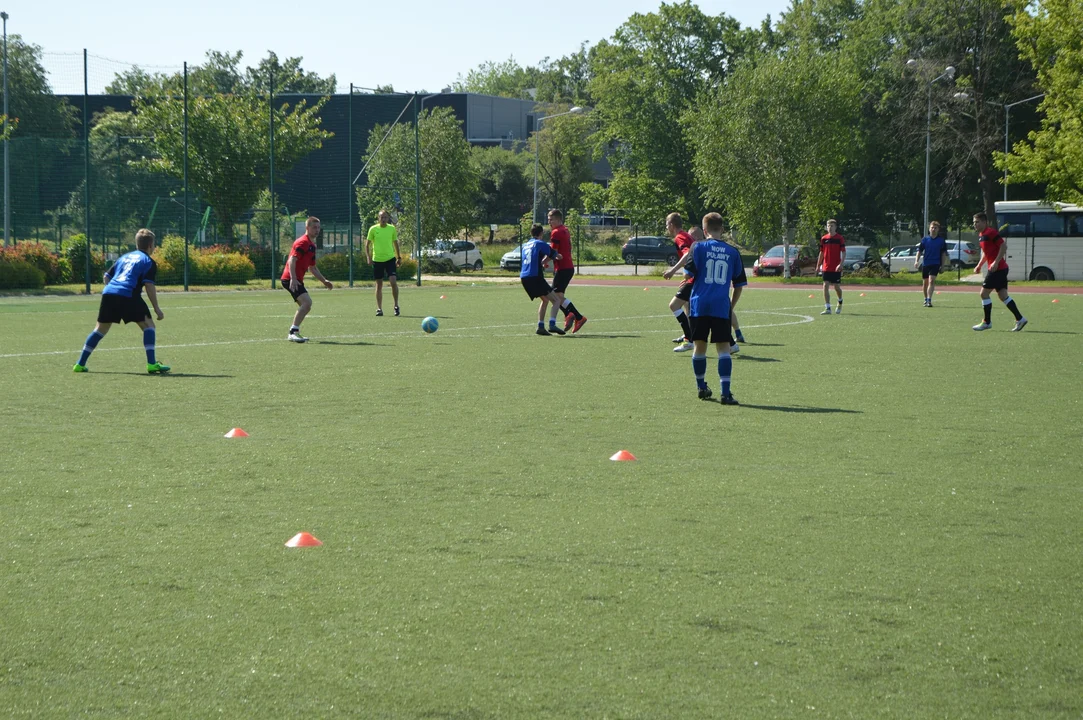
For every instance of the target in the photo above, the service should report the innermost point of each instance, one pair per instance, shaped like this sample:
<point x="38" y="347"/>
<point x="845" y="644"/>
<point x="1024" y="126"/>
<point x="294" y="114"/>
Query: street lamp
<point x="537" y="128"/>
<point x="949" y="73"/>
<point x="7" y="176"/>
<point x="1007" y="115"/>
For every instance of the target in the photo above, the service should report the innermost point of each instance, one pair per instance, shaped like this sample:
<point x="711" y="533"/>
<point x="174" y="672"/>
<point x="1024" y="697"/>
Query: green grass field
<point x="888" y="526"/>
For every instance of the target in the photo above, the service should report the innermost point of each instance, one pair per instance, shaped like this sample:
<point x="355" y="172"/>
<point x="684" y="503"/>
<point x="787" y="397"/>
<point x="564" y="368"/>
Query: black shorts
<point x="387" y="267"/>
<point x="535" y="286"/>
<point x="561" y="278"/>
<point x="930" y="270"/>
<point x="300" y="289"/>
<point x="684" y="292"/>
<point x="712" y="329"/>
<point x="832" y="278"/>
<point x="117" y="308"/>
<point x="996" y="280"/>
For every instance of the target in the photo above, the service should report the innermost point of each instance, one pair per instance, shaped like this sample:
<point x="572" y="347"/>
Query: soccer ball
<point x="430" y="325"/>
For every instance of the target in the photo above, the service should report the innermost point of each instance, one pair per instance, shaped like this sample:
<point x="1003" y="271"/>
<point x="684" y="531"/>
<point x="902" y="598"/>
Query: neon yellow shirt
<point x="383" y="242"/>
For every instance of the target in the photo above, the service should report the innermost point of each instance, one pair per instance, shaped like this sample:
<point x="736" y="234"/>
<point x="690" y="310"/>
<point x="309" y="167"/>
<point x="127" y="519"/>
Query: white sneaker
<point x="734" y="349"/>
<point x="1022" y="323"/>
<point x="297" y="338"/>
<point x="838" y="309"/>
<point x="827" y="311"/>
<point x="684" y="347"/>
<point x="982" y="326"/>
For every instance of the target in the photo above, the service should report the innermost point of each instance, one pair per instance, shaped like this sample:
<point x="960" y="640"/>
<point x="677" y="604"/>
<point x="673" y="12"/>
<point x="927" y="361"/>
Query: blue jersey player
<point x="718" y="267"/>
<point x="122" y="300"/>
<point x="536" y="253"/>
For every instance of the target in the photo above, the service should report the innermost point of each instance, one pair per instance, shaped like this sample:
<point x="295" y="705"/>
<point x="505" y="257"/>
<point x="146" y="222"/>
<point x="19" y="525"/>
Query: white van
<point x="1045" y="241"/>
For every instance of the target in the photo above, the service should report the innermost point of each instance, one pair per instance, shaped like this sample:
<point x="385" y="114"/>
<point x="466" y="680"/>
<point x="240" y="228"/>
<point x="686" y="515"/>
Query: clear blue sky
<point x="411" y="44"/>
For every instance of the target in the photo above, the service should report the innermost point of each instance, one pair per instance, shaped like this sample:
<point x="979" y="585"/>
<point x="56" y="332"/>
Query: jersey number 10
<point x="718" y="272"/>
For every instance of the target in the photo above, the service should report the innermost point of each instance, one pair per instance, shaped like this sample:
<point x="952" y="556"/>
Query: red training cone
<point x="443" y="297"/>
<point x="810" y="296"/>
<point x="236" y="433"/>
<point x="623" y="455"/>
<point x="1055" y="300"/>
<point x="303" y="539"/>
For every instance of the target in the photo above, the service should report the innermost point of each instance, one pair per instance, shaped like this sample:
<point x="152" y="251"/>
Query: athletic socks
<point x="92" y="341"/>
<point x="1010" y="304"/>
<point x="699" y="367"/>
<point x="840" y="300"/>
<point x="148" y="344"/>
<point x="987" y="308"/>
<point x="294" y="329"/>
<point x="569" y="307"/>
<point x="682" y="318"/>
<point x="725" y="370"/>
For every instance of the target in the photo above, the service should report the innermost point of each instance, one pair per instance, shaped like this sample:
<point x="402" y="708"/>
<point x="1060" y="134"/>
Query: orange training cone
<point x="443" y="297"/>
<point x="623" y="455"/>
<point x="303" y="539"/>
<point x="646" y="289"/>
<point x="1055" y="300"/>
<point x="862" y="294"/>
<point x="236" y="433"/>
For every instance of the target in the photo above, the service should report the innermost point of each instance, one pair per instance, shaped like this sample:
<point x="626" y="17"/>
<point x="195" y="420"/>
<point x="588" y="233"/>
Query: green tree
<point x="505" y="188"/>
<point x="643" y="79"/>
<point x="564" y="159"/>
<point x="776" y="136"/>
<point x="449" y="180"/>
<point x="221" y="72"/>
<point x="1050" y="37"/>
<point x="503" y="79"/>
<point x="229" y="146"/>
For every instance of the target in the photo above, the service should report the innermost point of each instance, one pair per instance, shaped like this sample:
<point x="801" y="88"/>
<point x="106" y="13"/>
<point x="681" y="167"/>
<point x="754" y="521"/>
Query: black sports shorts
<point x="996" y="280"/>
<point x="561" y="278"/>
<point x="117" y="308"/>
<point x="300" y="289"/>
<point x="930" y="270"/>
<point x="535" y="286"/>
<point x="712" y="329"/>
<point x="386" y="267"/>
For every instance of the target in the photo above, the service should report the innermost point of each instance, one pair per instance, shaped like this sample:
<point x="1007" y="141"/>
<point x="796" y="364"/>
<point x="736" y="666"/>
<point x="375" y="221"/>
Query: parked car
<point x="901" y="258"/>
<point x="513" y="259"/>
<point x="963" y="253"/>
<point x="802" y="262"/>
<point x="648" y="249"/>
<point x="463" y="253"/>
<point x="859" y="256"/>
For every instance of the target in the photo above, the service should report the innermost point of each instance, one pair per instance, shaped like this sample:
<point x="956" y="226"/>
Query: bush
<point x="74" y="250"/>
<point x="216" y="268"/>
<point x="874" y="269"/>
<point x="169" y="255"/>
<point x="17" y="273"/>
<point x="336" y="266"/>
<point x="438" y="266"/>
<point x="44" y="259"/>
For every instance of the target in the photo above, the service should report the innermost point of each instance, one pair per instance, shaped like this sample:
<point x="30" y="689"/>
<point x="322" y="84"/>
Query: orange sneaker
<point x="579" y="323"/>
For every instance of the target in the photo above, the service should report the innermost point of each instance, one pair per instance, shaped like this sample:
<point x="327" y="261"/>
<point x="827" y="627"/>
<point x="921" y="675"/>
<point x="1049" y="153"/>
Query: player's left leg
<point x="379" y="296"/>
<point x="838" y="291"/>
<point x="394" y="280"/>
<point x="699" y="367"/>
<point x="1020" y="321"/>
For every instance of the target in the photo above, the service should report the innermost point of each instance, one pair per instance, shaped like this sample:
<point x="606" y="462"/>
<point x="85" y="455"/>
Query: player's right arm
<point x="108" y="274"/>
<point x="368" y="247"/>
<point x="152" y="295"/>
<point x="292" y="265"/>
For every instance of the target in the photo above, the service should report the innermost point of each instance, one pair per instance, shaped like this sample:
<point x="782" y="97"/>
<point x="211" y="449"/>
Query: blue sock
<point x="148" y="344"/>
<point x="92" y="341"/>
<point x="725" y="369"/>
<point x="699" y="367"/>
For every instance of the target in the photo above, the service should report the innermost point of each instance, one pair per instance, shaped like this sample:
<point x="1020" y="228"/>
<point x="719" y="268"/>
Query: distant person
<point x="560" y="240"/>
<point x="535" y="251"/>
<point x="122" y="301"/>
<point x="932" y="255"/>
<point x="679" y="304"/>
<point x="993" y="250"/>
<point x="718" y="266"/>
<point x="382" y="251"/>
<point x="302" y="258"/>
<point x="832" y="253"/>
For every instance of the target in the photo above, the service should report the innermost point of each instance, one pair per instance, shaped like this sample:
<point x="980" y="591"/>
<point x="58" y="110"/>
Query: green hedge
<point x="19" y="274"/>
<point x="74" y="249"/>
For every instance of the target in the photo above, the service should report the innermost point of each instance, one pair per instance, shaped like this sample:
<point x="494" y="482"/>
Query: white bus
<point x="1045" y="241"/>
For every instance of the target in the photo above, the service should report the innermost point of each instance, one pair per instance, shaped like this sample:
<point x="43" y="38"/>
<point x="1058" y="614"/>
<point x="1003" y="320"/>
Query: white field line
<point x="803" y="319"/>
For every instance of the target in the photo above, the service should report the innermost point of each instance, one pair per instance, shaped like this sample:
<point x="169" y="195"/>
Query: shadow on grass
<point x="760" y="344"/>
<point x="336" y="342"/>
<point x="1049" y="332"/>
<point x="741" y="357"/>
<point x="801" y="409"/>
<point x="602" y="337"/>
<point x="163" y="375"/>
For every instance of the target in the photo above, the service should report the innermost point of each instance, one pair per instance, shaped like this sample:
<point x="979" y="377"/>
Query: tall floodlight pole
<point x="949" y="73"/>
<point x="7" y="174"/>
<point x="537" y="129"/>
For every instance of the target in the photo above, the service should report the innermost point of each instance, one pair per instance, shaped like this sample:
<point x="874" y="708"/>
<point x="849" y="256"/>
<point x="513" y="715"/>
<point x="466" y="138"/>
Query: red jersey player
<point x="993" y="249"/>
<point x="302" y="258"/>
<point x="679" y="304"/>
<point x="832" y="253"/>
<point x="560" y="240"/>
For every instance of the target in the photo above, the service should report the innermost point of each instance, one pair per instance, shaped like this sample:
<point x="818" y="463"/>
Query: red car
<point x="802" y="262"/>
